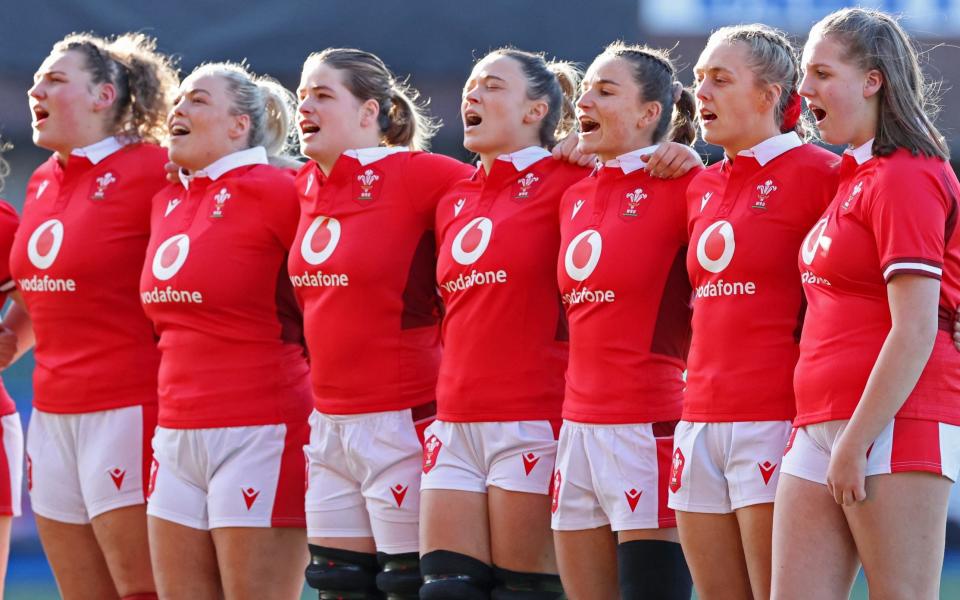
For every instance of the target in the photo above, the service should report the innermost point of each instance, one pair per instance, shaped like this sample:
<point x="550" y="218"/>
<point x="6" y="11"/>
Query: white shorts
<point x="11" y="465"/>
<point x="82" y="465"/>
<point x="903" y="445"/>
<point x="720" y="467"/>
<point x="229" y="476"/>
<point x="517" y="456"/>
<point x="613" y="474"/>
<point x="364" y="476"/>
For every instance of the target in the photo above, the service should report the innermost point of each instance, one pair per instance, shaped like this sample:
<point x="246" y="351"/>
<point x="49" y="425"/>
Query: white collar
<point x="861" y="153"/>
<point x="632" y="161"/>
<point x="98" y="151"/>
<point x="773" y="147"/>
<point x="251" y="156"/>
<point x="522" y="159"/>
<point x="368" y="156"/>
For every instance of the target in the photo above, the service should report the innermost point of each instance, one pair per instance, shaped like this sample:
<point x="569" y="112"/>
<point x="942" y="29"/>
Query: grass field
<point x="29" y="578"/>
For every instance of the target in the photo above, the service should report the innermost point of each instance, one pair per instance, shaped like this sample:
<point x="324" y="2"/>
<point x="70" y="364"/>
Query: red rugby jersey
<point x="747" y="218"/>
<point x="8" y="227"/>
<point x="214" y="284"/>
<point x="362" y="265"/>
<point x="891" y="215"/>
<point x="623" y="279"/>
<point x="76" y="259"/>
<point x="504" y="333"/>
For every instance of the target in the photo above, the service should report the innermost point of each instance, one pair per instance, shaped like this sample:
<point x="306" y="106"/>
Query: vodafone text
<point x="168" y="294"/>
<point x="46" y="284"/>
<point x="725" y="288"/>
<point x="320" y="279"/>
<point x="585" y="296"/>
<point x="811" y="278"/>
<point x="473" y="278"/>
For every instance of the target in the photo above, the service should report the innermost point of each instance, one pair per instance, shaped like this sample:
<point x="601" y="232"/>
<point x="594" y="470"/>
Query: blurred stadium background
<point x="435" y="41"/>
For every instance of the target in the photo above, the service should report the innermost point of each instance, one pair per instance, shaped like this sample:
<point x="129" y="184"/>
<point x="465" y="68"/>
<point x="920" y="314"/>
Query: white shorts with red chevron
<point x="904" y="445"/>
<point x="229" y="476"/>
<point x="720" y="467"/>
<point x="364" y="476"/>
<point x="613" y="474"/>
<point x="85" y="464"/>
<point x="11" y="464"/>
<point x="517" y="456"/>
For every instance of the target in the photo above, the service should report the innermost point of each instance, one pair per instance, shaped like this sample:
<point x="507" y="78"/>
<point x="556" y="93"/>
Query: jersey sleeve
<point x="680" y="189"/>
<point x="823" y="183"/>
<point x="8" y="227"/>
<point x="429" y="176"/>
<point x="908" y="213"/>
<point x="280" y="205"/>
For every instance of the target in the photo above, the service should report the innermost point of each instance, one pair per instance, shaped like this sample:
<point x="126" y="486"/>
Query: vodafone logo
<point x="814" y="239"/>
<point x="44" y="244"/>
<point x="170" y="256"/>
<point x="471" y="242"/>
<point x="320" y="240"/>
<point x="583" y="254"/>
<point x="715" y="247"/>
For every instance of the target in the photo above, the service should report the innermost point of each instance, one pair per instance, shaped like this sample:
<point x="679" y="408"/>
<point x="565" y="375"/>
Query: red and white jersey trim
<point x="913" y="266"/>
<point x="98" y="151"/>
<point x="242" y="158"/>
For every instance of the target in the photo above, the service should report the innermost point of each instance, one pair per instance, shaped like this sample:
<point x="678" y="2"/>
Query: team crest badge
<point x="103" y="182"/>
<point x="632" y="202"/>
<point x="676" y="471"/>
<point x="793" y="435"/>
<point x="367" y="180"/>
<point x="848" y="203"/>
<point x="555" y="492"/>
<point x="430" y="450"/>
<point x="152" y="482"/>
<point x="763" y="194"/>
<point x="524" y="186"/>
<point x="218" y="202"/>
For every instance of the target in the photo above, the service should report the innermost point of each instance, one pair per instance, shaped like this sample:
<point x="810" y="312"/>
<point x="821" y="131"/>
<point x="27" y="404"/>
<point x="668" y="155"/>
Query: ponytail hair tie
<point x="791" y="114"/>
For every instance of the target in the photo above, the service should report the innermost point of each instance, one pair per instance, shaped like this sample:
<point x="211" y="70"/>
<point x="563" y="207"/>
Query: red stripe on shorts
<point x="148" y="420"/>
<point x="665" y="515"/>
<point x="423" y="416"/>
<point x="916" y="446"/>
<point x="291" y="487"/>
<point x="6" y="494"/>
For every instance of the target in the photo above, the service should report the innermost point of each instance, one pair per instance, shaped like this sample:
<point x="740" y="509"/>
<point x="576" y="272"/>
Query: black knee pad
<point x="342" y="574"/>
<point x="654" y="570"/>
<point x="452" y="576"/>
<point x="399" y="576"/>
<point x="514" y="585"/>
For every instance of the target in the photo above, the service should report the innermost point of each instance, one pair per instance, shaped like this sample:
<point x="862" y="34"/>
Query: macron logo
<point x="576" y="208"/>
<point x="250" y="496"/>
<point x="42" y="188"/>
<point x="458" y="206"/>
<point x="172" y="204"/>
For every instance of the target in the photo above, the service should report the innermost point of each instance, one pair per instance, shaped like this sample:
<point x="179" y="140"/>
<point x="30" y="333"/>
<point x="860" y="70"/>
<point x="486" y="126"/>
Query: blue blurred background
<point x="435" y="41"/>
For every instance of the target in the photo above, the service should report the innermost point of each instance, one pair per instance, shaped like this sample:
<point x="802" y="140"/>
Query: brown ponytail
<point x="683" y="127"/>
<point x="145" y="80"/>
